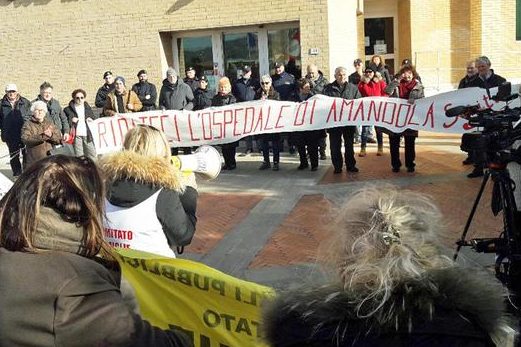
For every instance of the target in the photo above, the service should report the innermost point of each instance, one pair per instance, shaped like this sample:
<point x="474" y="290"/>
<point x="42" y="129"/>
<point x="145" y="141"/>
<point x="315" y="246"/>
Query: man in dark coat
<point x="176" y="95"/>
<point x="355" y="77"/>
<point x="104" y="90"/>
<point x="318" y="83"/>
<point x="244" y="90"/>
<point x="191" y="79"/>
<point x="341" y="88"/>
<point x="284" y="84"/>
<point x="14" y="110"/>
<point x="486" y="79"/>
<point x="203" y="95"/>
<point x="472" y="74"/>
<point x="54" y="109"/>
<point x="146" y="91"/>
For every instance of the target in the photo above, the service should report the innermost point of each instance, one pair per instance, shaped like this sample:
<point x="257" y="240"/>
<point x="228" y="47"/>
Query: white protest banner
<point x="217" y="125"/>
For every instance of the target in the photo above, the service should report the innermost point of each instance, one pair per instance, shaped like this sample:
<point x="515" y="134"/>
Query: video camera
<point x="499" y="132"/>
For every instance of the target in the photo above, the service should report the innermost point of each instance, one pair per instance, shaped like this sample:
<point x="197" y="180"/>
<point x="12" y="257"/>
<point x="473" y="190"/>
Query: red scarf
<point x="405" y="88"/>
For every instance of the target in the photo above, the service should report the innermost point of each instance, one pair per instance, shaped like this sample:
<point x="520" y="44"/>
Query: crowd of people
<point x="193" y="93"/>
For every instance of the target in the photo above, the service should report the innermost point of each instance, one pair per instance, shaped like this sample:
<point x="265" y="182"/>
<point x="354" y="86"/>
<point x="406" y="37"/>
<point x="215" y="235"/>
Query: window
<point x="240" y="49"/>
<point x="284" y="46"/>
<point x="379" y="36"/>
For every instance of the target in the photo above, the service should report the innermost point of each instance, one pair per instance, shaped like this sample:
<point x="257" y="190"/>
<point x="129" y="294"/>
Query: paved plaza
<point x="265" y="226"/>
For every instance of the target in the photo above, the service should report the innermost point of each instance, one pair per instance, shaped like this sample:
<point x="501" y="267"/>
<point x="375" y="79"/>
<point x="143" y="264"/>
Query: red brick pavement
<point x="217" y="215"/>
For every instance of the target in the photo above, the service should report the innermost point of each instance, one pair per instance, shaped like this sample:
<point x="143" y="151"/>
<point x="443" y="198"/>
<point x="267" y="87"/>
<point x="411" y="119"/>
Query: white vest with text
<point x="137" y="227"/>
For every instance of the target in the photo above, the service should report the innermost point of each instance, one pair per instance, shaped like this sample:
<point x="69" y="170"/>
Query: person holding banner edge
<point x="60" y="283"/>
<point x="151" y="206"/>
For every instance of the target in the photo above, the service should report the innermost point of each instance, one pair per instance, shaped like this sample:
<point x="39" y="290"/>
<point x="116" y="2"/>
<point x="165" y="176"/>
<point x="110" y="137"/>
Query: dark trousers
<point x="275" y="146"/>
<point x="335" y="143"/>
<point x="14" y="153"/>
<point x="228" y="151"/>
<point x="365" y="135"/>
<point x="410" y="151"/>
<point x="313" y="154"/>
<point x="322" y="146"/>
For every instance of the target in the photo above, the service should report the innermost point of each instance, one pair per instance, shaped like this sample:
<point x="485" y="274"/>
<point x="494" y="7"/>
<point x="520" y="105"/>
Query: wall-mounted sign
<point x="313" y="51"/>
<point x="380" y="49"/>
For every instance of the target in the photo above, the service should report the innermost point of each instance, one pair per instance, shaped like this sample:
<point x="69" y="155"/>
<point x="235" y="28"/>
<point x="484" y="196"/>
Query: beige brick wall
<point x="343" y="34"/>
<point x="71" y="43"/>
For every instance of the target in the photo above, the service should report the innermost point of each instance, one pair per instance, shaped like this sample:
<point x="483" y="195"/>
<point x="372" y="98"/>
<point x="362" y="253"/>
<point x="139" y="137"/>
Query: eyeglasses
<point x="79" y="98"/>
<point x="265" y="83"/>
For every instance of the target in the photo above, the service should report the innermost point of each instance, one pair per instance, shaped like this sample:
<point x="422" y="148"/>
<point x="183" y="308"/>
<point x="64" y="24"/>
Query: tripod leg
<point x="461" y="241"/>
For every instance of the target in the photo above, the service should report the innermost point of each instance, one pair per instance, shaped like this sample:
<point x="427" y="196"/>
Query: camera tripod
<point x="508" y="245"/>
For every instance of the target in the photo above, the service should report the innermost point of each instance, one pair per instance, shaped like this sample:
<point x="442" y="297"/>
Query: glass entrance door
<point x="240" y="49"/>
<point x="197" y="52"/>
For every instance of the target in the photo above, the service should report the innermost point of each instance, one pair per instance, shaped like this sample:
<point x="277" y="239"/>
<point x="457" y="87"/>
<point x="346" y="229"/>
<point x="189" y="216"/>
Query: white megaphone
<point x="206" y="162"/>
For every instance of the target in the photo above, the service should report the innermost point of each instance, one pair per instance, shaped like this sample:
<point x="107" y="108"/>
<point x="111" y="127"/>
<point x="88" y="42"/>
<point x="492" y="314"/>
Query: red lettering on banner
<point x="410" y="116"/>
<point x="373" y="111"/>
<point x="298" y="121"/>
<point x="430" y="115"/>
<point x="235" y="121"/>
<point x="268" y="119"/>
<point x="277" y="126"/>
<point x="203" y="115"/>
<point x="399" y="115"/>
<point x="344" y="104"/>
<point x="455" y="119"/>
<point x="113" y="131"/>
<point x="227" y="122"/>
<point x="311" y="118"/>
<point x="101" y="134"/>
<point x="142" y="119"/>
<point x="190" y="127"/>
<point x="385" y="113"/>
<point x="486" y="99"/>
<point x="252" y="109"/>
<point x="332" y="110"/>
<point x="260" y="121"/>
<point x="126" y="126"/>
<point x="359" y="110"/>
<point x="161" y="119"/>
<point x="219" y="124"/>
<point x="176" y="128"/>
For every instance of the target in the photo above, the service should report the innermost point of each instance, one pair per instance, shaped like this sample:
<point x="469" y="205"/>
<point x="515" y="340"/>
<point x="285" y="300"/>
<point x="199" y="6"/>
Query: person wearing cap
<point x="191" y="79"/>
<point x="371" y="84"/>
<point x="284" y="84"/>
<point x="244" y="90"/>
<point x="225" y="97"/>
<point x="14" y="110"/>
<point x="55" y="112"/>
<point x="267" y="92"/>
<point x="121" y="100"/>
<point x="341" y="88"/>
<point x="203" y="95"/>
<point x="104" y="90"/>
<point x="318" y="83"/>
<point x="146" y="91"/>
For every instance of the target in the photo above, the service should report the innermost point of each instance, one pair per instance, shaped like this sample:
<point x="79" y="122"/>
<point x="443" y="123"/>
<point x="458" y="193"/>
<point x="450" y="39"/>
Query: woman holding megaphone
<point x="151" y="205"/>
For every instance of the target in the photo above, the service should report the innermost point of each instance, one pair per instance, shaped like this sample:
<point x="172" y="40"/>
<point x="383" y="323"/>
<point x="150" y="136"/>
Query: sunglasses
<point x="79" y="98"/>
<point x="265" y="83"/>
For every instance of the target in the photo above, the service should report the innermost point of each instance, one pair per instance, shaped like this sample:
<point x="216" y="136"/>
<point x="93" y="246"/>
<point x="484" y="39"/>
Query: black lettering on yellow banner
<point x="231" y="323"/>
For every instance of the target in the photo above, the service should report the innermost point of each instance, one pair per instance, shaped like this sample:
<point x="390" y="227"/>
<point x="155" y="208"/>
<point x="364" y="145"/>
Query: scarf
<point x="405" y="88"/>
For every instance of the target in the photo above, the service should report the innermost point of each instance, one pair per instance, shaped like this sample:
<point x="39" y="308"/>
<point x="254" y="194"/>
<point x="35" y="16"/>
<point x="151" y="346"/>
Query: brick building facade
<point x="70" y="43"/>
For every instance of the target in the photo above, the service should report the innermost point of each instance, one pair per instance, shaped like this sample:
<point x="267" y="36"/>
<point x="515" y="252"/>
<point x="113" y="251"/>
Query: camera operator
<point x="486" y="79"/>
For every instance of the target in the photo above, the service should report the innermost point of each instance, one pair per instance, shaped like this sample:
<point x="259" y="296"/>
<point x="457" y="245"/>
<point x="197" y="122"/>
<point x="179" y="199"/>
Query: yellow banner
<point x="213" y="308"/>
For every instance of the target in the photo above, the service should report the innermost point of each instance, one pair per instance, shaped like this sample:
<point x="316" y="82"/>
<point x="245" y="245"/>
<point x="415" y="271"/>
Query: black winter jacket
<point x="177" y="96"/>
<point x="144" y="90"/>
<point x="383" y="71"/>
<point x="203" y="98"/>
<point x="101" y="95"/>
<point x="347" y="91"/>
<point x="222" y="100"/>
<point x="70" y="113"/>
<point x="193" y="83"/>
<point x="12" y="119"/>
<point x="133" y="178"/>
<point x="56" y="115"/>
<point x="466" y="81"/>
<point x="448" y="307"/>
<point x="491" y="82"/>
<point x="284" y="84"/>
<point x="244" y="89"/>
<point x="317" y="87"/>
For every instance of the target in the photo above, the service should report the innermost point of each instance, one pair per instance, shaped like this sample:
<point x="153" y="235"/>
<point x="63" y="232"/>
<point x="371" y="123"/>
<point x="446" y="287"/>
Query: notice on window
<point x="380" y="49"/>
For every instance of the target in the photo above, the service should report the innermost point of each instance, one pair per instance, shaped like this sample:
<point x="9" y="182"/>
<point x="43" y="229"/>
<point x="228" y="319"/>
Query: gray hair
<point x="266" y="78"/>
<point x="382" y="237"/>
<point x="483" y="60"/>
<point x="171" y="71"/>
<point x="340" y="69"/>
<point x="38" y="104"/>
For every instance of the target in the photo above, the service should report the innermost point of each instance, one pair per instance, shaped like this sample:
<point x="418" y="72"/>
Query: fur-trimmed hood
<point x="128" y="165"/>
<point x="470" y="303"/>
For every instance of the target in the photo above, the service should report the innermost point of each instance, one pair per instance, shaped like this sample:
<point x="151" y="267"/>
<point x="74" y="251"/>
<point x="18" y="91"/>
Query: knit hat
<point x="119" y="78"/>
<point x="11" y="87"/>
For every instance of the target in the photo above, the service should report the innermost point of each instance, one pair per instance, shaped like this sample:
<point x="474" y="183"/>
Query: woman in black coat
<point x="225" y="97"/>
